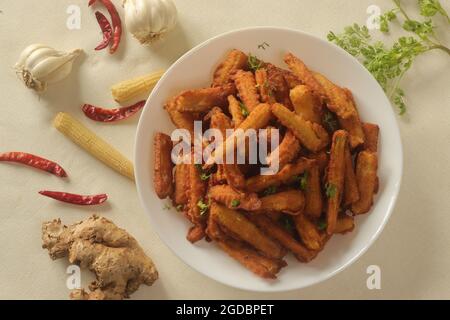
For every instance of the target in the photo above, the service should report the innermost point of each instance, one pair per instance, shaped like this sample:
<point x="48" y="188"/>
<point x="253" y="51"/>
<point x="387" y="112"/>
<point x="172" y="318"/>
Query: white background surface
<point x="412" y="251"/>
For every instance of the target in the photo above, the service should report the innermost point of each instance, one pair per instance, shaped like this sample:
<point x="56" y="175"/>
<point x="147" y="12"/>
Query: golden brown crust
<point x="345" y="224"/>
<point x="366" y="176"/>
<point x="235" y="111"/>
<point x="288" y="150"/>
<point x="351" y="193"/>
<point x="290" y="202"/>
<point x="246" y="85"/>
<point x="180" y="196"/>
<point x="285" y="238"/>
<point x="181" y="120"/>
<point x="284" y="176"/>
<point x="232" y="199"/>
<point x="278" y="86"/>
<point x="197" y="192"/>
<point x="234" y="176"/>
<point x="238" y="224"/>
<point x="322" y="159"/>
<point x="371" y="132"/>
<point x="308" y="232"/>
<point x="306" y="104"/>
<point x="335" y="178"/>
<point x="203" y="100"/>
<point x="311" y="135"/>
<point x="299" y="68"/>
<point x="262" y="82"/>
<point x="313" y="193"/>
<point x="163" y="177"/>
<point x="234" y="61"/>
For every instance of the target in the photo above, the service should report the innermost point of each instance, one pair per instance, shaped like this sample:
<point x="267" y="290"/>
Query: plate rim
<point x="393" y="196"/>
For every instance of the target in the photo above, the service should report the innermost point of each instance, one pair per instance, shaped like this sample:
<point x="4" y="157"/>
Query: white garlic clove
<point x="149" y="20"/>
<point x="40" y="65"/>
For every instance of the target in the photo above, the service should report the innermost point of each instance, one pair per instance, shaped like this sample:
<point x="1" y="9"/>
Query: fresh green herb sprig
<point x="204" y="175"/>
<point x="322" y="224"/>
<point x="389" y="64"/>
<point x="254" y="63"/>
<point x="302" y="181"/>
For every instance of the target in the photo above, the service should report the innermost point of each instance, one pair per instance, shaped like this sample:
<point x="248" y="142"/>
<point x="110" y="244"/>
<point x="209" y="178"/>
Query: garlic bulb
<point x="39" y="65"/>
<point x="149" y="20"/>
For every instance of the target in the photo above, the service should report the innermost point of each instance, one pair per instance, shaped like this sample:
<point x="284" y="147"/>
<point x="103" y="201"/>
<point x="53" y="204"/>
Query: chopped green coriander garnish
<point x="254" y="63"/>
<point x="287" y="223"/>
<point x="203" y="207"/>
<point x="270" y="190"/>
<point x="330" y="190"/>
<point x="244" y="109"/>
<point x="235" y="203"/>
<point x="263" y="45"/>
<point x="303" y="179"/>
<point x="322" y="224"/>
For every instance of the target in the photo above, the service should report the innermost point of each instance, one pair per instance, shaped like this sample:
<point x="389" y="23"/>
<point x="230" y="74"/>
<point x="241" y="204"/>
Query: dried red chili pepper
<point x="106" y="28"/>
<point x="75" y="198"/>
<point x="111" y="115"/>
<point x="116" y="23"/>
<point x="34" y="161"/>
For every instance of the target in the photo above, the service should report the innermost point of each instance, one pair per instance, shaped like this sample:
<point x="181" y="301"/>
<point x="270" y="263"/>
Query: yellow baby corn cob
<point x="93" y="144"/>
<point x="129" y="89"/>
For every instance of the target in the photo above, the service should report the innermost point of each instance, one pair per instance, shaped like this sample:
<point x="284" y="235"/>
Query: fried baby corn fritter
<point x="226" y="195"/>
<point x="351" y="192"/>
<point x="235" y="60"/>
<point x="240" y="226"/>
<point x="306" y="104"/>
<point x="366" y="176"/>
<point x="236" y="111"/>
<point x="311" y="135"/>
<point x="308" y="232"/>
<point x="163" y="177"/>
<point x="246" y="85"/>
<point x="202" y="100"/>
<point x="299" y="68"/>
<point x="313" y="192"/>
<point x="290" y="202"/>
<point x="288" y="150"/>
<point x="335" y="178"/>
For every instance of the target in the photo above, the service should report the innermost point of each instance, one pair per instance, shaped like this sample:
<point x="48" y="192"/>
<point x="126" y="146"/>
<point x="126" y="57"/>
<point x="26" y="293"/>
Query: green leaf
<point x="429" y="8"/>
<point x="244" y="109"/>
<point x="330" y="190"/>
<point x="235" y="203"/>
<point x="270" y="190"/>
<point x="203" y="206"/>
<point x="322" y="224"/>
<point x="254" y="63"/>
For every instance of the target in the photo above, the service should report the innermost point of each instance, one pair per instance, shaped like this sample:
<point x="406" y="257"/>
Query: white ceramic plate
<point x="194" y="70"/>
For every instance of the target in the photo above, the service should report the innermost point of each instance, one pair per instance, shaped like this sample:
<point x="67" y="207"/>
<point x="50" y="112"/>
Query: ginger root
<point x="119" y="263"/>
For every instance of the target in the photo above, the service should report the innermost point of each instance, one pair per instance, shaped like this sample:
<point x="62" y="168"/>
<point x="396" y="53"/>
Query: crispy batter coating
<point x="246" y="85"/>
<point x="288" y="150"/>
<point x="335" y="178"/>
<point x="238" y="224"/>
<point x="337" y="99"/>
<point x="180" y="196"/>
<point x="313" y="193"/>
<point x="291" y="79"/>
<point x="233" y="199"/>
<point x="285" y="238"/>
<point x="306" y="104"/>
<point x="163" y="177"/>
<point x="291" y="202"/>
<point x="181" y="120"/>
<point x="371" y="132"/>
<point x="322" y="159"/>
<point x="351" y="193"/>
<point x="235" y="177"/>
<point x="299" y="68"/>
<point x="235" y="60"/>
<point x="119" y="263"/>
<point x="345" y="223"/>
<point x="278" y="86"/>
<point x="258" y="119"/>
<point x="264" y="267"/>
<point x="262" y="82"/>
<point x="311" y="135"/>
<point x="366" y="176"/>
<point x="197" y="192"/>
<point x="235" y="110"/>
<point x="308" y="232"/>
<point x="203" y="100"/>
<point x="353" y="124"/>
<point x="284" y="176"/>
